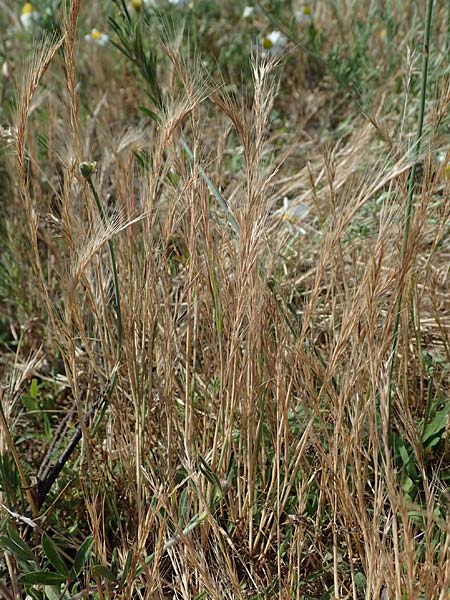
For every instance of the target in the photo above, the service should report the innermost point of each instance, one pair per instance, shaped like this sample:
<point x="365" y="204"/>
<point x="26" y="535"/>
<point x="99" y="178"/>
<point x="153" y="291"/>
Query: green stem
<point x="409" y="207"/>
<point x="213" y="189"/>
<point x="428" y="359"/>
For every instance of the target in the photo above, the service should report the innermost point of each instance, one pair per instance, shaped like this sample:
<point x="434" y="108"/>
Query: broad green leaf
<point x="104" y="572"/>
<point x="42" y="577"/>
<point x="82" y="555"/>
<point x="54" y="556"/>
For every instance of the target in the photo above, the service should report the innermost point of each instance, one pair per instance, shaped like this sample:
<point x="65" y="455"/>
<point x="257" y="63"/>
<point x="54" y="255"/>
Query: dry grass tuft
<point x="238" y="443"/>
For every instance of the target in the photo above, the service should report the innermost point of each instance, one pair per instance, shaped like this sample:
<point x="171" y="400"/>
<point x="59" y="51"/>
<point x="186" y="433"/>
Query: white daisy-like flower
<point x="95" y="37"/>
<point x="292" y="214"/>
<point x="304" y="15"/>
<point x="29" y="16"/>
<point x="248" y="12"/>
<point x="273" y="43"/>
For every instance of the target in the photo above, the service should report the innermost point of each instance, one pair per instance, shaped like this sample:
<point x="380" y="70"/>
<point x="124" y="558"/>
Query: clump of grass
<point x="244" y="346"/>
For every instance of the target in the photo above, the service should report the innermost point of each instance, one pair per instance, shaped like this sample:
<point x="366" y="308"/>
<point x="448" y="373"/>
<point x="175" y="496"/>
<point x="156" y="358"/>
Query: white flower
<point x="248" y="12"/>
<point x="29" y="16"/>
<point x="292" y="215"/>
<point x="5" y="70"/>
<point x="95" y="37"/>
<point x="273" y="43"/>
<point x="179" y="3"/>
<point x="442" y="157"/>
<point x="444" y="161"/>
<point x="304" y="15"/>
<point x="8" y="134"/>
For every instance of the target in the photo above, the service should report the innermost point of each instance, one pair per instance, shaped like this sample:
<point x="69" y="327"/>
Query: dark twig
<point x="44" y="485"/>
<point x="59" y="435"/>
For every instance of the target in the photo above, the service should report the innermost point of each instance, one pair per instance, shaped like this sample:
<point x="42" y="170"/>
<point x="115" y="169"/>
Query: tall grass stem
<point x="87" y="174"/>
<point x="409" y="205"/>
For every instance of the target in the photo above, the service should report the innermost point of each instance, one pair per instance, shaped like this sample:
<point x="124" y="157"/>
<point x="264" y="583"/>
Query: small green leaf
<point x="10" y="547"/>
<point x="360" y="581"/>
<point x="126" y="568"/>
<point x="408" y="485"/>
<point x="16" y="546"/>
<point x="33" y="393"/>
<point x="29" y="403"/>
<point x="194" y="522"/>
<point x="82" y="555"/>
<point x="104" y="572"/>
<point x="147" y="561"/>
<point x="207" y="472"/>
<point x="54" y="556"/>
<point x="213" y="189"/>
<point x="149" y="113"/>
<point x="53" y="592"/>
<point x="42" y="577"/>
<point x="435" y="430"/>
<point x="182" y="510"/>
<point x="403" y="453"/>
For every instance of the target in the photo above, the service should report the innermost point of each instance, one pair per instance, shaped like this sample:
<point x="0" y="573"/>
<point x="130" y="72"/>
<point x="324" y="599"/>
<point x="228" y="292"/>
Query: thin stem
<point x="214" y="191"/>
<point x="115" y="282"/>
<point x="12" y="448"/>
<point x="45" y="485"/>
<point x="430" y="373"/>
<point x="409" y="207"/>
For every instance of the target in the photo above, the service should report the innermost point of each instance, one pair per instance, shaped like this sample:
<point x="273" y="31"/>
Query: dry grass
<point x="244" y="450"/>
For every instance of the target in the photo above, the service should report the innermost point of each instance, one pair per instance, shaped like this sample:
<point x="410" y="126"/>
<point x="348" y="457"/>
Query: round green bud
<point x="87" y="169"/>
